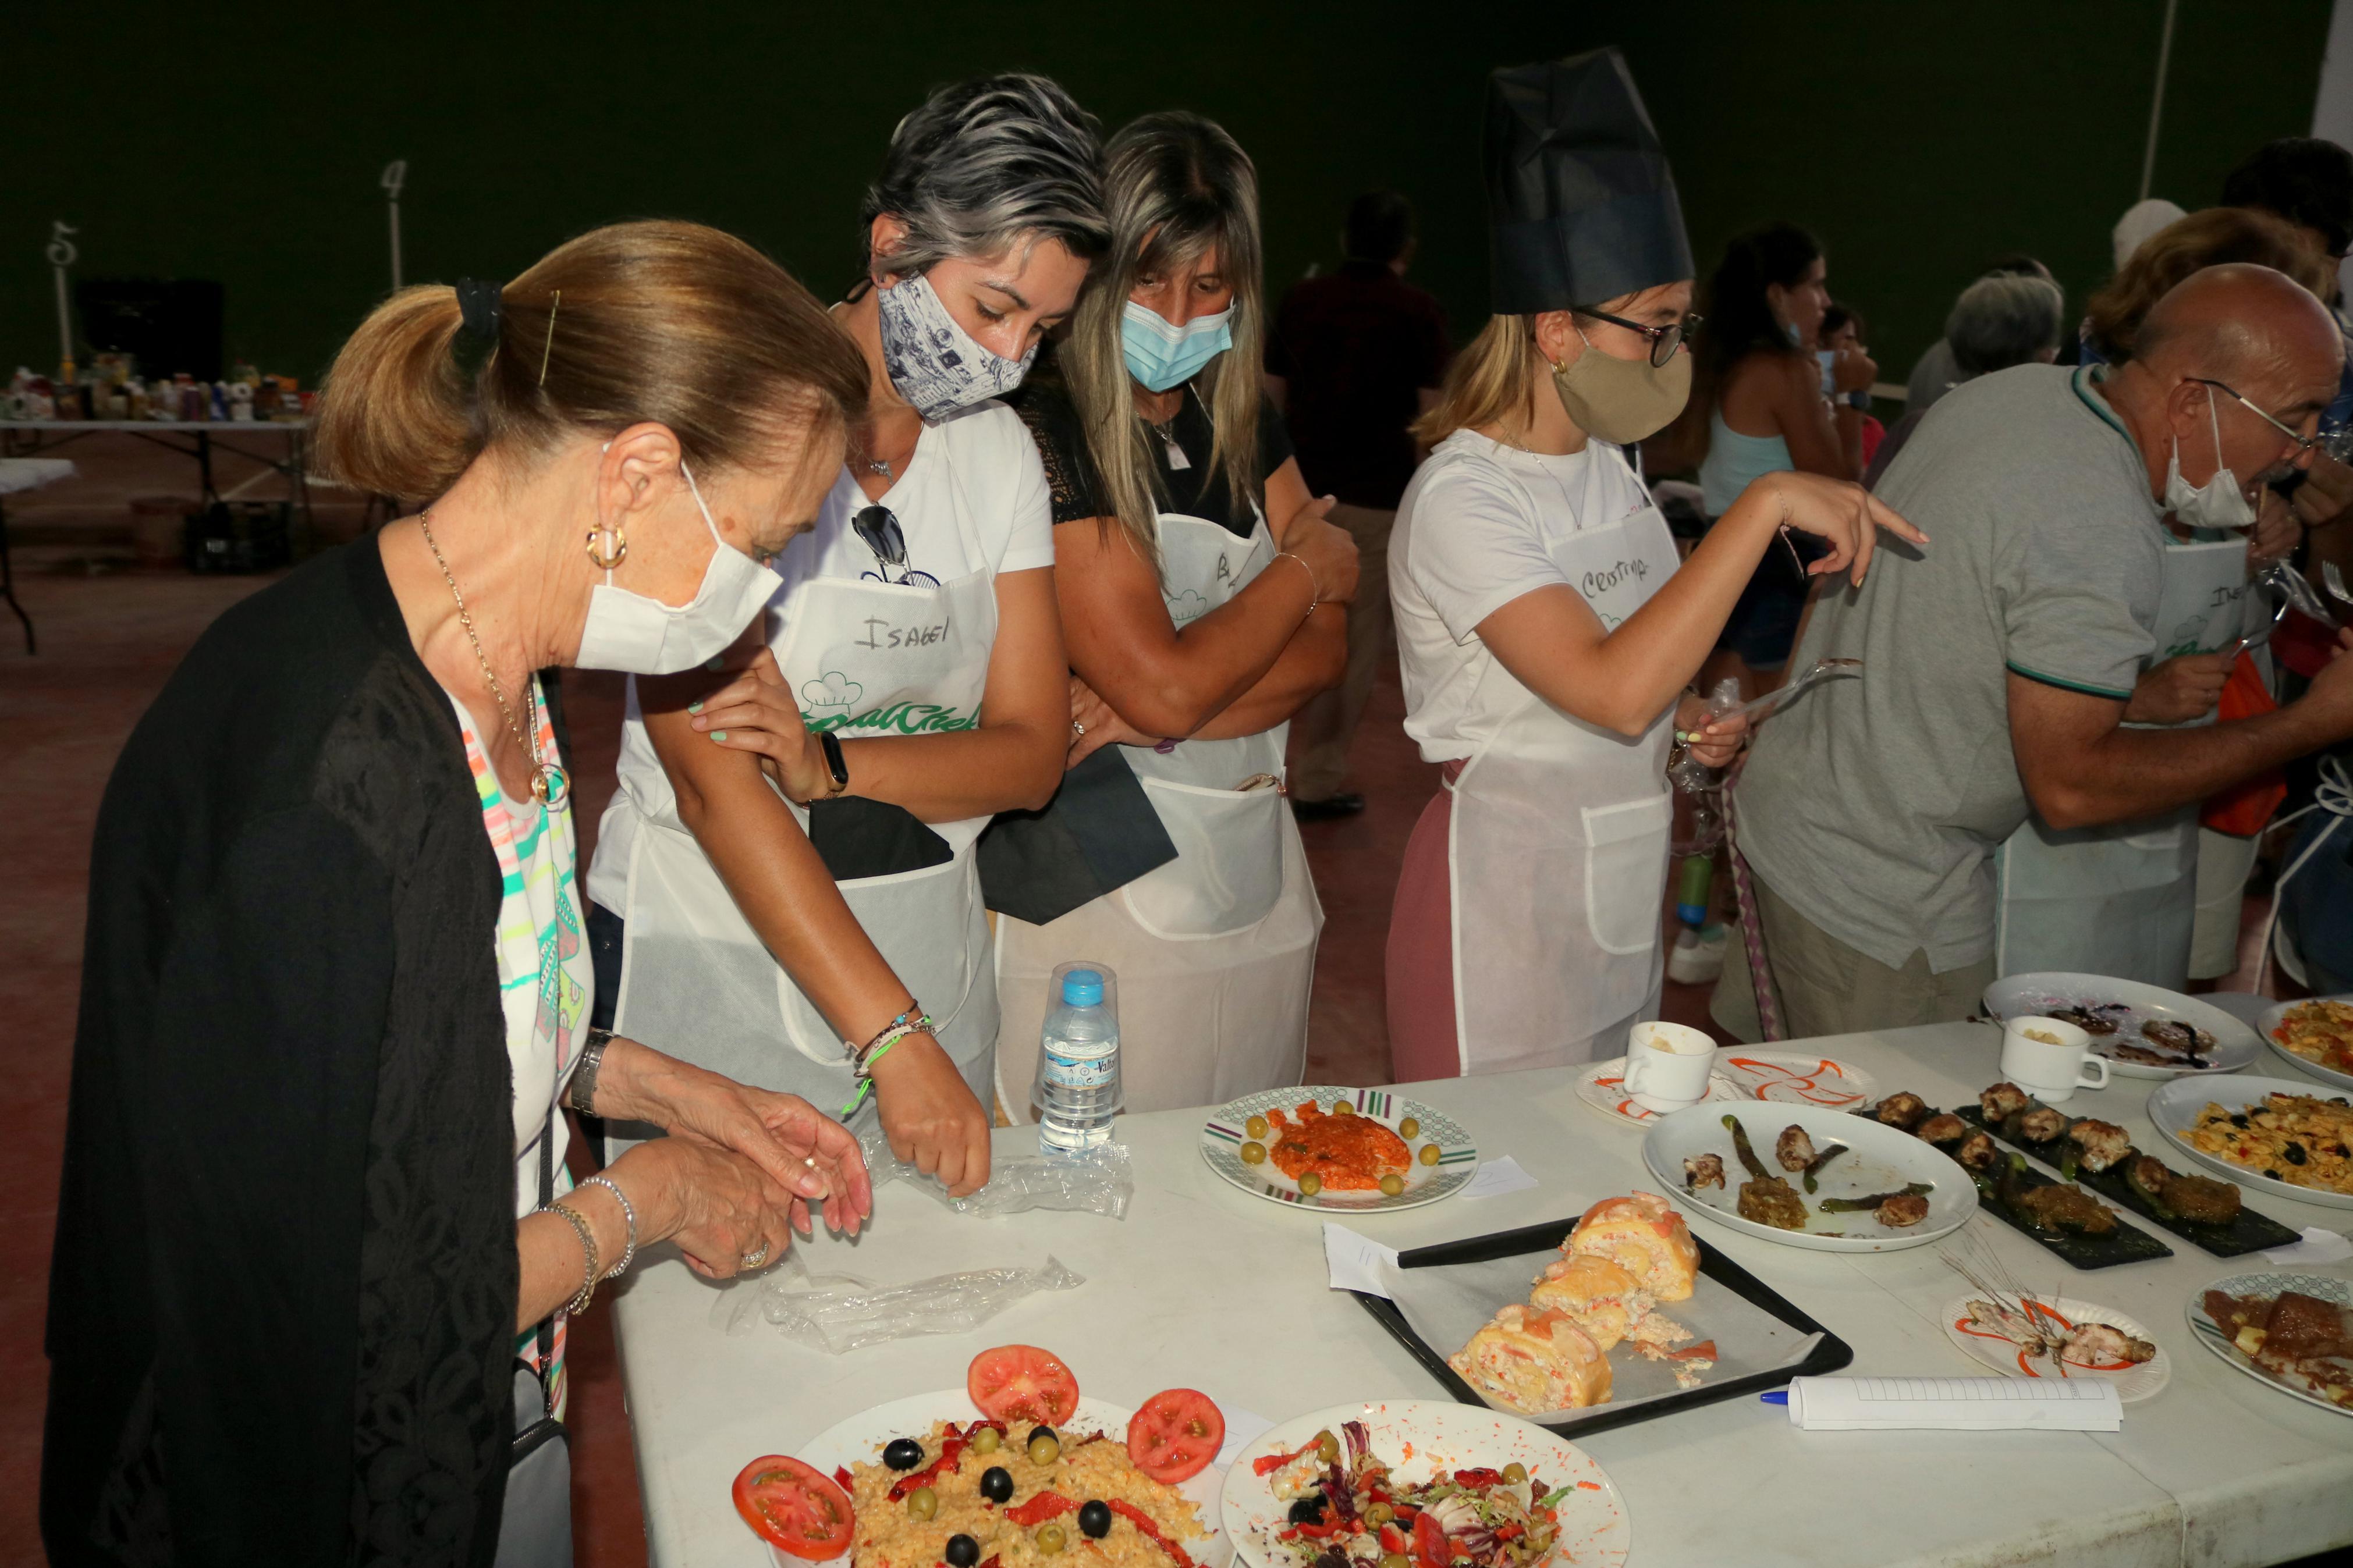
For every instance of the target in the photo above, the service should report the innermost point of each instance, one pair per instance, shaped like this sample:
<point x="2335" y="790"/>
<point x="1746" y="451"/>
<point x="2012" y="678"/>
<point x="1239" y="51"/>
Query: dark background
<point x="1917" y="139"/>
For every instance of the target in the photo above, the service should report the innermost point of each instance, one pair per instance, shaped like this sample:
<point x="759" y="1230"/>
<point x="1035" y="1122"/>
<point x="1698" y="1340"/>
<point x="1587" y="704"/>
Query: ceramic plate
<point x="1225" y="1133"/>
<point x="2207" y="1333"/>
<point x="2005" y="1356"/>
<point x="858" y="1440"/>
<point x="1415" y="1437"/>
<point x="2175" y="1109"/>
<point x="1879" y="1159"/>
<point x="2270" y="1021"/>
<point x="1793" y="1077"/>
<point x="2236" y="1046"/>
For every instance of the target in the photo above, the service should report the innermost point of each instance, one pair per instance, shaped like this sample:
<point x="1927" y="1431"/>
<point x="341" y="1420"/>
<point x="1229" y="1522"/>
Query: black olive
<point x="963" y="1552"/>
<point x="2274" y="1175"/>
<point x="903" y="1454"/>
<point x="1037" y="1432"/>
<point x="2239" y="1120"/>
<point x="1308" y="1510"/>
<point x="2295" y="1154"/>
<point x="1094" y="1518"/>
<point x="996" y="1484"/>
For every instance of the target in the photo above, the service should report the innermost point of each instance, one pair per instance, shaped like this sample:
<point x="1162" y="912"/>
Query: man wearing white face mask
<point x="1999" y="671"/>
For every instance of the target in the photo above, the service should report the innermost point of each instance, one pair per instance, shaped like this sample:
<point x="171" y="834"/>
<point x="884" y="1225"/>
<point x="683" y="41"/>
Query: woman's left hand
<point x="1094" y="725"/>
<point x="755" y="712"/>
<point x="1717" y="739"/>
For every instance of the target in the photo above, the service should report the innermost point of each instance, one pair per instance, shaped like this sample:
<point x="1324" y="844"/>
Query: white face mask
<point x="643" y="636"/>
<point x="2218" y="503"/>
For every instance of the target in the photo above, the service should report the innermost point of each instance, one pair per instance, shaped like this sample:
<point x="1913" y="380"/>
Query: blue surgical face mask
<point x="1161" y="354"/>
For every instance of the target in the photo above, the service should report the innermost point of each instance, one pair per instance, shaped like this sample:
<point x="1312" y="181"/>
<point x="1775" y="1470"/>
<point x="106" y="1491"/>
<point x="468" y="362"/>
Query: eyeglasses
<point x="2303" y="443"/>
<point x="878" y="526"/>
<point x="1665" y="340"/>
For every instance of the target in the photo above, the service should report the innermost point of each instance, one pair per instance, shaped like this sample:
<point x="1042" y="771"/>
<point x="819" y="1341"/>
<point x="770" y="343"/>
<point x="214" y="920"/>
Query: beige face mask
<point x="1622" y="400"/>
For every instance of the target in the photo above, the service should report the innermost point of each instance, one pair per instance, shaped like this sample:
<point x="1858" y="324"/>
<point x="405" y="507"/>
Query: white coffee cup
<point x="1668" y="1065"/>
<point x="2052" y="1068"/>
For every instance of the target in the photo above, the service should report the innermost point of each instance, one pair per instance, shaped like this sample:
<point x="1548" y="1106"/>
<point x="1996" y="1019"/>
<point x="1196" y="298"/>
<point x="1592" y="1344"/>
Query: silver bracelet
<point x="629" y="1246"/>
<point x="579" y="1224"/>
<point x="583" y="1093"/>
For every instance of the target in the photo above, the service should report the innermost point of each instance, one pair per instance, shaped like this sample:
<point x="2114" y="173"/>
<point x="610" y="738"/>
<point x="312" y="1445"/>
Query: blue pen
<point x="1774" y="1396"/>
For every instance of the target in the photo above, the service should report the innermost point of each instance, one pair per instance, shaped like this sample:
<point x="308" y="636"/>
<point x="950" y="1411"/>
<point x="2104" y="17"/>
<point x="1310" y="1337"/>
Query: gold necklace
<point x="549" y="784"/>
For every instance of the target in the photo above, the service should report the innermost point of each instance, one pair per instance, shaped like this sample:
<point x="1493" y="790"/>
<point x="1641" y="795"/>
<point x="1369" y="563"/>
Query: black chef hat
<point x="1581" y="206"/>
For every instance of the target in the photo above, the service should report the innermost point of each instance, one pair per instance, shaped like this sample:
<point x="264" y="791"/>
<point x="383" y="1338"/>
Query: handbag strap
<point x="547" y="1337"/>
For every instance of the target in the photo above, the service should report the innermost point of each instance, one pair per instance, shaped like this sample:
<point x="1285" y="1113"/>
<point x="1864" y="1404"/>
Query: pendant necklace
<point x="549" y="782"/>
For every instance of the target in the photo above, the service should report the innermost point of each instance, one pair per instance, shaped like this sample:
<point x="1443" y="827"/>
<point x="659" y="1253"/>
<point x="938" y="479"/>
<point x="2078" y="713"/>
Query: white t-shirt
<point x="1475" y="532"/>
<point x="973" y="497"/>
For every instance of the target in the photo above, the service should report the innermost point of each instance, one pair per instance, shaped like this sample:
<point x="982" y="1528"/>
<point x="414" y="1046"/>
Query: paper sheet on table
<point x="1497" y="1177"/>
<point x="1447" y="1305"/>
<point x="1356" y="1262"/>
<point x="1954" y="1404"/>
<point x="2318" y="1246"/>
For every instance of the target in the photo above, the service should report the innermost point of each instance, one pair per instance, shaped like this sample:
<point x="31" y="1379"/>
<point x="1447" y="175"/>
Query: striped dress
<point x="546" y="982"/>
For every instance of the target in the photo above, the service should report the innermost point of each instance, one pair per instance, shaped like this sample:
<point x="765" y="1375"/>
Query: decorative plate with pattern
<point x="1794" y="1077"/>
<point x="1427" y="1179"/>
<point x="2207" y="1333"/>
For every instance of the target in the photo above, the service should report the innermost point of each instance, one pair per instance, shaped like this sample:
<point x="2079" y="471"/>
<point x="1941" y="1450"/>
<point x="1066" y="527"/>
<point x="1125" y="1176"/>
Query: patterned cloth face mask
<point x="936" y="365"/>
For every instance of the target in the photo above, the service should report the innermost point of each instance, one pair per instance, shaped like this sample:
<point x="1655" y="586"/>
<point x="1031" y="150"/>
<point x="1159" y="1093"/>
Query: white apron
<point x="1216" y="950"/>
<point x="867" y="659"/>
<point x="1557" y="847"/>
<point x="2122" y="900"/>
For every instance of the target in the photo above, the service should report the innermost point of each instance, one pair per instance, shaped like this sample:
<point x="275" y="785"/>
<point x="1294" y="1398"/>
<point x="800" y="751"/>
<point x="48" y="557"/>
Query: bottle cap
<point x="1082" y="987"/>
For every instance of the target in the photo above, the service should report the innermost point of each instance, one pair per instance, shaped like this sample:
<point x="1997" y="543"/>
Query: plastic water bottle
<point x="1078" y="1087"/>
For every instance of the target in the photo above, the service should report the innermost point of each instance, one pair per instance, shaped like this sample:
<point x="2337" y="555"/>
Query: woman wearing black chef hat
<point x="1547" y="631"/>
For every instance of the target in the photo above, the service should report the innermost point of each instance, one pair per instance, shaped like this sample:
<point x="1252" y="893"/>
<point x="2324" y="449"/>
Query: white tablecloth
<point x="1205" y="1286"/>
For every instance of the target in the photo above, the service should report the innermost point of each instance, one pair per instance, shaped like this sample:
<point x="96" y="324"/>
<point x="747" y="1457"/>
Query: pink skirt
<point x="1421" y="957"/>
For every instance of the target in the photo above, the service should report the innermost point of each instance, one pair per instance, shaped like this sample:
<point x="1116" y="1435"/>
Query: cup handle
<point x="2093" y="1064"/>
<point x="1632" y="1079"/>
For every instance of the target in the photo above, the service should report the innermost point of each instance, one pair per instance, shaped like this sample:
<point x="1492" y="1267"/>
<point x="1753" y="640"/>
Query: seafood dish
<point x="1535" y="1361"/>
<point x="1769" y="1199"/>
<point x="2300" y="1139"/>
<point x="2142" y="1031"/>
<point x="1703" y="1170"/>
<point x="1030" y="1483"/>
<point x="1811" y="1177"/>
<point x="2320" y="1033"/>
<point x="2122" y="1034"/>
<point x="2302" y="1340"/>
<point x="2025" y="1334"/>
<point x="1349" y="1509"/>
<point x="1344" y="1151"/>
<point x="1642" y="1233"/>
<point x="1318" y="1147"/>
<point x="1899" y="1111"/>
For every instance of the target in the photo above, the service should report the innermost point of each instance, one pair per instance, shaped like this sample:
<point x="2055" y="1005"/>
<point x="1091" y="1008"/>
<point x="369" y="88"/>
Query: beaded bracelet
<point x="579" y="1303"/>
<point x="630" y="1215"/>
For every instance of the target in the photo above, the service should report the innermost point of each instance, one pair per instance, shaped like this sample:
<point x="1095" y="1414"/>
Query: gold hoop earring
<point x="605" y="560"/>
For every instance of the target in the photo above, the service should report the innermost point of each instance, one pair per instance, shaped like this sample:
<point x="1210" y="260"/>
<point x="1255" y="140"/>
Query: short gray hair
<point x="2003" y="321"/>
<point x="985" y="164"/>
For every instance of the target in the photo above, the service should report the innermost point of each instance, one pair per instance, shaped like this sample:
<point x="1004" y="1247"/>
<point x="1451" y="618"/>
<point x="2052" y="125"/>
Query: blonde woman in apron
<point x="1547" y="631"/>
<point x="909" y="684"/>
<point x="1202" y="599"/>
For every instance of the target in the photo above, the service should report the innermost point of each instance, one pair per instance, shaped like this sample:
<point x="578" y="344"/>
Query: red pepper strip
<point x="1509" y="1532"/>
<point x="1478" y="1478"/>
<point x="842" y="1478"/>
<point x="1429" y="1546"/>
<point x="1267" y="1463"/>
<point x="952" y="1447"/>
<point x="1039" y="1508"/>
<point x="1392" y="1539"/>
<point x="988" y="1561"/>
<point x="1704" y="1350"/>
<point x="1323" y="1532"/>
<point x="1151" y="1532"/>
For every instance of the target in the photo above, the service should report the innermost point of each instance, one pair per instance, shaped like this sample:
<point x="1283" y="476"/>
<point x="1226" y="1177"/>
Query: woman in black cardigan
<point x="289" y="1272"/>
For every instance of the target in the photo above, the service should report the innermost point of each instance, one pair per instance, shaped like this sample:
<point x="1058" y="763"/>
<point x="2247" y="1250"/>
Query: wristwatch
<point x="837" y="765"/>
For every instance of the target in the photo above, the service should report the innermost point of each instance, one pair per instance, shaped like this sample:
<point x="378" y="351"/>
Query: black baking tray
<point x="2251" y="1231"/>
<point x="1829" y="1355"/>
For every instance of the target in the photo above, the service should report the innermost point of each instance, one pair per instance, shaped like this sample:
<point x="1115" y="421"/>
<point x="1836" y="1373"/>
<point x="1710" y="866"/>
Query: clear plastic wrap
<point x="1099" y="1181"/>
<point x="840" y="1312"/>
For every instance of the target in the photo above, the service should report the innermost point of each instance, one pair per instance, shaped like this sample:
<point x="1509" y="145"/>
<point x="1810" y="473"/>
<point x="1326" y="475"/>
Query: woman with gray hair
<point x="908" y="684"/>
<point x="1203" y="600"/>
<point x="2001" y="320"/>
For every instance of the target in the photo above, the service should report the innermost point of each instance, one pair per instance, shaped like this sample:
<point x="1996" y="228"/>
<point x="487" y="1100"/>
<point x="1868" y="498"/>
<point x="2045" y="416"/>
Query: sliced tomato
<point x="1022" y="1383"/>
<point x="794" y="1508"/>
<point x="1175" y="1434"/>
<point x="1430" y="1548"/>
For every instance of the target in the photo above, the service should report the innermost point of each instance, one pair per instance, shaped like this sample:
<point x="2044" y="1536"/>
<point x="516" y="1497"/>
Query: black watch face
<point x="834" y="763"/>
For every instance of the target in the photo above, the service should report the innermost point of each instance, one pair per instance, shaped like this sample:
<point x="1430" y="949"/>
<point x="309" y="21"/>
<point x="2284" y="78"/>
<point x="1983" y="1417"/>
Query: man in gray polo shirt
<point x="1999" y="662"/>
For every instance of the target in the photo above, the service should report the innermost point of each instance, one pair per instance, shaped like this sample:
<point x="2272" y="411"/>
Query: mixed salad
<point x="1349" y="1509"/>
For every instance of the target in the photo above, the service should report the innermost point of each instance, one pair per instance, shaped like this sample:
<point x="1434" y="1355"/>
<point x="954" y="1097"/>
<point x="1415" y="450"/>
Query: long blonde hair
<point x="1176" y="186"/>
<point x="1492" y="380"/>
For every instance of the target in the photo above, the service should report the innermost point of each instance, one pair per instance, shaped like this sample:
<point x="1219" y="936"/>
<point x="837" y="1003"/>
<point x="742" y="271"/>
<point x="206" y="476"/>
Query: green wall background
<point x="1917" y="139"/>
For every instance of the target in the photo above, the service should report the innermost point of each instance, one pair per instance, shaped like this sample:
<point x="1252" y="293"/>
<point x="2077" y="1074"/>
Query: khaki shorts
<point x="1829" y="988"/>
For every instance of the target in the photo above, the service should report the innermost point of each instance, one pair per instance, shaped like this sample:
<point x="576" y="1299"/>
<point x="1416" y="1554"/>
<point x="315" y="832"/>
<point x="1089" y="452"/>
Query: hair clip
<point x="548" y="347"/>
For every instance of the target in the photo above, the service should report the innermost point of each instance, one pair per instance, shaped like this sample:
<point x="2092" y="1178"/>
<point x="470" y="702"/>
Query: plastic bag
<point x="1099" y="1181"/>
<point x="840" y="1312"/>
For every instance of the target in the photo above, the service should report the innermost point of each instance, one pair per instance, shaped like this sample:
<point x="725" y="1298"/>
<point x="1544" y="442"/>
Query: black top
<point x="1194" y="489"/>
<point x="282" y="1306"/>
<point x="1354" y="348"/>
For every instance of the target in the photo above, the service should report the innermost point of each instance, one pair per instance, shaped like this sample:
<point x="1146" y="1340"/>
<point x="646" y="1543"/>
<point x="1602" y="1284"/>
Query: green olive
<point x="1254" y="1154"/>
<point x="1380" y="1513"/>
<point x="1327" y="1446"/>
<point x="1409" y="1127"/>
<point x="1514" y="1474"/>
<point x="1051" y="1538"/>
<point x="923" y="1502"/>
<point x="986" y="1440"/>
<point x="1256" y="1127"/>
<point x="1044" y="1449"/>
<point x="1429" y="1155"/>
<point x="1392" y="1185"/>
<point x="1310" y="1184"/>
<point x="1342" y="1108"/>
<point x="1396" y="1560"/>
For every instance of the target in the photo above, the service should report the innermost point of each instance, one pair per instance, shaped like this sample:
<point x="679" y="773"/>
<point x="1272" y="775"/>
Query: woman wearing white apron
<point x="1547" y="632"/>
<point x="911" y="683"/>
<point x="1200" y="593"/>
